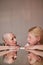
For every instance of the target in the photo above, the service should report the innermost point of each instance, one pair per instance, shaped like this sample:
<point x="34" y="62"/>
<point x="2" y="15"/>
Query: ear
<point x="38" y="38"/>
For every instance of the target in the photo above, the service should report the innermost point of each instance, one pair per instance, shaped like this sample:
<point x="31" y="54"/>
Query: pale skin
<point x="6" y="49"/>
<point x="40" y="53"/>
<point x="33" y="58"/>
<point x="39" y="47"/>
<point x="29" y="48"/>
<point x="10" y="40"/>
<point x="32" y="40"/>
<point x="34" y="49"/>
<point x="9" y="48"/>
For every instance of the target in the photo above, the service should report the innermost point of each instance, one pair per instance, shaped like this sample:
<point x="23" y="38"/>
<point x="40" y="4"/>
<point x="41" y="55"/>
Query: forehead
<point x="30" y="34"/>
<point x="10" y="35"/>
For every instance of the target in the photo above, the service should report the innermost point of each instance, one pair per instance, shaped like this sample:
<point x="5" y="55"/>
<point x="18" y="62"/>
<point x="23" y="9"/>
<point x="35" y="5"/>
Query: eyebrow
<point x="14" y="37"/>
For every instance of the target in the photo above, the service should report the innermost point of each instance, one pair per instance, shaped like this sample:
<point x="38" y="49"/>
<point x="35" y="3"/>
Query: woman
<point x="35" y="47"/>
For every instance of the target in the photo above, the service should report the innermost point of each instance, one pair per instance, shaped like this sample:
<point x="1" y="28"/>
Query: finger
<point x="22" y="48"/>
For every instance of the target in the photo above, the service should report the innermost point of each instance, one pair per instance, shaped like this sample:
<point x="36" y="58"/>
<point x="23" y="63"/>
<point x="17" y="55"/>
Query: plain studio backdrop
<point x="18" y="16"/>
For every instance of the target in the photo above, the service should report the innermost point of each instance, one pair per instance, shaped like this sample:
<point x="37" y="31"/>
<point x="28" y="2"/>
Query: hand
<point x="29" y="47"/>
<point x="14" y="48"/>
<point x="26" y="47"/>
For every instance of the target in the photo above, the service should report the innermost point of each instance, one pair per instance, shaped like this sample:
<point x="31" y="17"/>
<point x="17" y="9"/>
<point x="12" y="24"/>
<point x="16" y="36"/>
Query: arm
<point x="39" y="47"/>
<point x="14" y="48"/>
<point x="4" y="47"/>
<point x="4" y="52"/>
<point x="10" y="49"/>
<point x="40" y="53"/>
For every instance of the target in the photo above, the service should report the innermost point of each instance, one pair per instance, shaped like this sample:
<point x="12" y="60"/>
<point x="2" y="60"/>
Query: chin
<point x="31" y="43"/>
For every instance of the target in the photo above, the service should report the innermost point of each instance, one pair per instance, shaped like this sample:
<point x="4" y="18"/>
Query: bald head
<point x="9" y="38"/>
<point x="8" y="35"/>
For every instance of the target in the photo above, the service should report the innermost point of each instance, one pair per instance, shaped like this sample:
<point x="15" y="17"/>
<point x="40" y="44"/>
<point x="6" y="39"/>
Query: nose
<point x="15" y="40"/>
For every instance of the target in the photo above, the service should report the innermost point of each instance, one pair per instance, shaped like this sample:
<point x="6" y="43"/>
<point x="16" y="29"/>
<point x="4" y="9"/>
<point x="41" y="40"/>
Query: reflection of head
<point x="37" y="31"/>
<point x="9" y="38"/>
<point x="8" y="60"/>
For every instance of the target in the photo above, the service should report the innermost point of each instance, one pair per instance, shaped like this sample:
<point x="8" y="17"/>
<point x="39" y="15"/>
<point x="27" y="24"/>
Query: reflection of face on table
<point x="10" y="40"/>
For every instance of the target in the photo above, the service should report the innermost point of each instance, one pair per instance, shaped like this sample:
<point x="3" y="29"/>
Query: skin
<point x="10" y="40"/>
<point x="32" y="41"/>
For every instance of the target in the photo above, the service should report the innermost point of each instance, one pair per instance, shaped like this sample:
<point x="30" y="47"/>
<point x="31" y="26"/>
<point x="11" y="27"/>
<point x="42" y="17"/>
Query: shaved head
<point x="9" y="38"/>
<point x="8" y="35"/>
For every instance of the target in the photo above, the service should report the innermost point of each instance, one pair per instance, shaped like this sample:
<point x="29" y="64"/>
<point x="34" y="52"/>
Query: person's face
<point x="11" y="40"/>
<point x="32" y="39"/>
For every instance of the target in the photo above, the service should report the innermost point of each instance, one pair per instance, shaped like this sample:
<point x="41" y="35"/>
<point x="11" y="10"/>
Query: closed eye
<point x="12" y="39"/>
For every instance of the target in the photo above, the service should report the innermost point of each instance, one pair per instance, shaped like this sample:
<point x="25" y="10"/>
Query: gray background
<point x="18" y="16"/>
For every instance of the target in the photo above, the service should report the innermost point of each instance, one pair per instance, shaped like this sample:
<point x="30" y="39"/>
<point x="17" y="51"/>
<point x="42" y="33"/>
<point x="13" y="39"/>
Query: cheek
<point x="10" y="42"/>
<point x="32" y="41"/>
<point x="14" y="41"/>
<point x="35" y="40"/>
<point x="28" y="39"/>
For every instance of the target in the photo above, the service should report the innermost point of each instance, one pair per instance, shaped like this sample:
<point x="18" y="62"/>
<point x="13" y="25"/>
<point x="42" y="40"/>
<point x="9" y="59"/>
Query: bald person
<point x="10" y="40"/>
